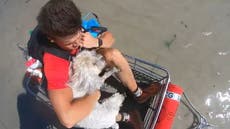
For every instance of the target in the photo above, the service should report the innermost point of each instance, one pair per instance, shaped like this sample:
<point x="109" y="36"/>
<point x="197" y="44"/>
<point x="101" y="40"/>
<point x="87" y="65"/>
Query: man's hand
<point x="96" y="95"/>
<point x="88" y="41"/>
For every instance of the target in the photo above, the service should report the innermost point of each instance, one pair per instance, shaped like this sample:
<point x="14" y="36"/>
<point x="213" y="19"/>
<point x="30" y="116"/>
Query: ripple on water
<point x="219" y="106"/>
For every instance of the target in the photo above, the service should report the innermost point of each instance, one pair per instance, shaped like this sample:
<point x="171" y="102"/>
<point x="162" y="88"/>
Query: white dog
<point x="84" y="79"/>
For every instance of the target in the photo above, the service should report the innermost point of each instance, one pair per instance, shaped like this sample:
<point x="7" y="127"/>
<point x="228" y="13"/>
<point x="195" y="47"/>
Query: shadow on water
<point x="29" y="118"/>
<point x="34" y="114"/>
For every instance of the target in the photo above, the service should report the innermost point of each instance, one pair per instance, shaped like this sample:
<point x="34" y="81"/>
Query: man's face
<point x="70" y="42"/>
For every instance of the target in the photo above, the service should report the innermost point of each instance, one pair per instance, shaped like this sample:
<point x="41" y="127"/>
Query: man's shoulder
<point x="52" y="62"/>
<point x="55" y="68"/>
<point x="49" y="57"/>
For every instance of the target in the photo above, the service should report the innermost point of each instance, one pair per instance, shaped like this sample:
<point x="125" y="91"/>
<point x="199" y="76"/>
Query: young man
<point x="60" y="22"/>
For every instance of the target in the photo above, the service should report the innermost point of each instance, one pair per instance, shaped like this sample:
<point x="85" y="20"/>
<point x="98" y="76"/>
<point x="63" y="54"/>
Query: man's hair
<point x="59" y="18"/>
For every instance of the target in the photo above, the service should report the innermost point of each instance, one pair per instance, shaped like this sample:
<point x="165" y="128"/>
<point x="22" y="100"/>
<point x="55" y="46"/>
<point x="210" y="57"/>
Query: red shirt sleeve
<point x="56" y="71"/>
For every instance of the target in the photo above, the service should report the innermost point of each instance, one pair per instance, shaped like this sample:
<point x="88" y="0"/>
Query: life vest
<point x="38" y="44"/>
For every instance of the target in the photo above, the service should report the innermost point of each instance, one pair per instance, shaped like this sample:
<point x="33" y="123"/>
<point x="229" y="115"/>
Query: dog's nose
<point x="102" y="72"/>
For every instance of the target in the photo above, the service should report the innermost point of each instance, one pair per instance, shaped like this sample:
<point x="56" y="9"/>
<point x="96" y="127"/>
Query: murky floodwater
<point x="218" y="106"/>
<point x="197" y="57"/>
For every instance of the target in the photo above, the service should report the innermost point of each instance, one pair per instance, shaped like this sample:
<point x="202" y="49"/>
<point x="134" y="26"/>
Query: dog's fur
<point x="84" y="79"/>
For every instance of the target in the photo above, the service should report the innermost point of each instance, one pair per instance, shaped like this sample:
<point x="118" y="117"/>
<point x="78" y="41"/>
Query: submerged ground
<point x="190" y="38"/>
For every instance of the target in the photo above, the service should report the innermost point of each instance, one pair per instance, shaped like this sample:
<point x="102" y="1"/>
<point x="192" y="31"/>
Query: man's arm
<point x="90" y="42"/>
<point x="69" y="110"/>
<point x="107" y="39"/>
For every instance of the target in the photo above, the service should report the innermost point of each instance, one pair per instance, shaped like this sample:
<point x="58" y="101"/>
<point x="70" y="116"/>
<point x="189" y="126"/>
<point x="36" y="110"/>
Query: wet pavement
<point x="190" y="38"/>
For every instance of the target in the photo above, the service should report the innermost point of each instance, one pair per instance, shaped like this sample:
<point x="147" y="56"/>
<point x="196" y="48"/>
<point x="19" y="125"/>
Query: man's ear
<point x="50" y="39"/>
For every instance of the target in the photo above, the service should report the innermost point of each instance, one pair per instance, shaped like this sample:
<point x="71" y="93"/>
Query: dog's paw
<point x="114" y="102"/>
<point x="115" y="126"/>
<point x="115" y="70"/>
<point x="110" y="72"/>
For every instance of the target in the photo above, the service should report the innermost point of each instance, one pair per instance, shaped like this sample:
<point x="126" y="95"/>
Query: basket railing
<point x="152" y="73"/>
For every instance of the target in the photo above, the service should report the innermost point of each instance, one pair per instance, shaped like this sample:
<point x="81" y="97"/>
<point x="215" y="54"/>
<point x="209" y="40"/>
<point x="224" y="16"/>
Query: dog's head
<point x="85" y="67"/>
<point x="88" y="61"/>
